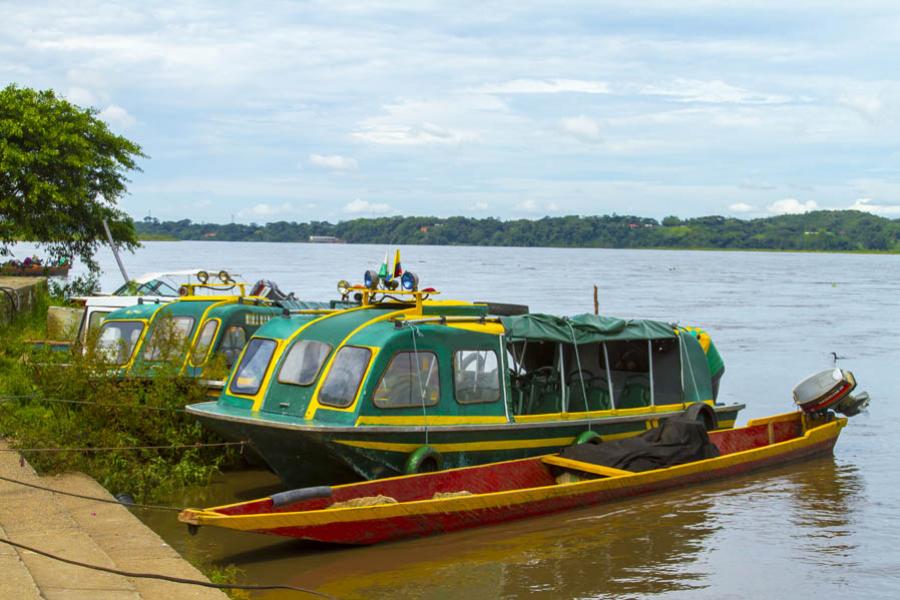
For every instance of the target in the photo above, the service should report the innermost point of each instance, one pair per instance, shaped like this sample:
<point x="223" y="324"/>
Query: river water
<point x="809" y="530"/>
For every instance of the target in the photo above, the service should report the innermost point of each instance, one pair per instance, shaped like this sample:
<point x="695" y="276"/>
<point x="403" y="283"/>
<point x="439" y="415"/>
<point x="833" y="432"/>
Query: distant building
<point x="325" y="239"/>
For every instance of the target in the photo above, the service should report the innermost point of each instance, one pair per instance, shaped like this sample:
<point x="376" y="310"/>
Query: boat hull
<point x="317" y="455"/>
<point x="762" y="444"/>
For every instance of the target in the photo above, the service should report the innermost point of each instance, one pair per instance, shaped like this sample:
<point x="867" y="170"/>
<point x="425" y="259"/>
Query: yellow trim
<point x="209" y="349"/>
<point x="488" y="328"/>
<point x="201" y="322"/>
<point x="577" y="465"/>
<point x="478" y="446"/>
<point x="314" y="399"/>
<point x="146" y="322"/>
<point x="599" y="414"/>
<point x="430" y="420"/>
<point x="502" y="499"/>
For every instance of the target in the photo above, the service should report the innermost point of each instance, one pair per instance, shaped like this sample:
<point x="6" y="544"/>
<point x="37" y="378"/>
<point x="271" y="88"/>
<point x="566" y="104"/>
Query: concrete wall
<point x="18" y="294"/>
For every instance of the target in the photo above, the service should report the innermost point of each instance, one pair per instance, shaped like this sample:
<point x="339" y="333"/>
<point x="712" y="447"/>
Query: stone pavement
<point x="88" y="531"/>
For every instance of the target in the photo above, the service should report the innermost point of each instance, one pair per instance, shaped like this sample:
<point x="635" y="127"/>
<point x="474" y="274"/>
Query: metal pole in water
<point x="115" y="250"/>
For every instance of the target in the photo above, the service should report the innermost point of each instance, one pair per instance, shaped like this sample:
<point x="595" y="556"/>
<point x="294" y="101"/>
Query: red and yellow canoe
<point x="432" y="503"/>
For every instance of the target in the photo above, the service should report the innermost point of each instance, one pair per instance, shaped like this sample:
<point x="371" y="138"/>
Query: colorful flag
<point x="398" y="270"/>
<point x="383" y="271"/>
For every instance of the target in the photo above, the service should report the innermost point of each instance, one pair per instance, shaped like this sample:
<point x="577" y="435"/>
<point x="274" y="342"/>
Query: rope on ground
<point x="115" y="448"/>
<point x="86" y="497"/>
<point x="18" y="397"/>
<point x="134" y="575"/>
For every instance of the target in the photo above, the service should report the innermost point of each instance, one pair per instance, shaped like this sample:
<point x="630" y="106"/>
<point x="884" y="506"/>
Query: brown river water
<point x="808" y="530"/>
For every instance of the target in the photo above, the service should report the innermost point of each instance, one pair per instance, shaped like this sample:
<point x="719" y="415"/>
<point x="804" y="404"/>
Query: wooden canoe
<point x="432" y="503"/>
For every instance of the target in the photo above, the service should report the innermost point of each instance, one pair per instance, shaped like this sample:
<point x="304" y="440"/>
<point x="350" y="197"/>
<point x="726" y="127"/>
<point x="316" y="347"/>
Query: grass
<point x="114" y="413"/>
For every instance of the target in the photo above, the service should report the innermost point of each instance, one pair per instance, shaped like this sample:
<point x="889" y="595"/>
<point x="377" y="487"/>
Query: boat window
<point x="253" y="367"/>
<point x="412" y="379"/>
<point x="629" y="365"/>
<point x="303" y="362"/>
<point x="586" y="382"/>
<point x="666" y="372"/>
<point x="204" y="342"/>
<point x="344" y="376"/>
<point x="95" y="320"/>
<point x="535" y="378"/>
<point x="233" y="341"/>
<point x="117" y="340"/>
<point x="476" y="376"/>
<point x="168" y="338"/>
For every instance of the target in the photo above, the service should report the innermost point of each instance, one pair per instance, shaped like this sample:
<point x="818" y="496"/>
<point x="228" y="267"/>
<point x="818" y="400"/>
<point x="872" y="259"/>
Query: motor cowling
<point x="830" y="390"/>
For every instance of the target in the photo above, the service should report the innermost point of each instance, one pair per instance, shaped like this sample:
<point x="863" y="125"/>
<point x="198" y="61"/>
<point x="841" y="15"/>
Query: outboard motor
<point x="269" y="289"/>
<point x="830" y="389"/>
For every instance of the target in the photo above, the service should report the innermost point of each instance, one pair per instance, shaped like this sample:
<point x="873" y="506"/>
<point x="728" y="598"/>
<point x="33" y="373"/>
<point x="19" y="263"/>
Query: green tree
<point x="62" y="172"/>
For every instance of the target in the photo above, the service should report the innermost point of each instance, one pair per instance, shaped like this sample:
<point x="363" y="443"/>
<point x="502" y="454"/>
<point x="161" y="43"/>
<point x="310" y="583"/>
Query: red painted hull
<point x="508" y="491"/>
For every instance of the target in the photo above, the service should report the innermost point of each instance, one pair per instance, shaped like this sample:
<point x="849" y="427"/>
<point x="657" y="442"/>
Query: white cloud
<point x="792" y="206"/>
<point x="363" y="207"/>
<point x="117" y="116"/>
<point x="581" y="128"/>
<point x="333" y="161"/>
<point x="869" y="106"/>
<point x="546" y="86"/>
<point x="714" y="91"/>
<point x="81" y="97"/>
<point x="866" y="205"/>
<point x="264" y="209"/>
<point x="532" y="206"/>
<point x="741" y="207"/>
<point x="552" y="207"/>
<point x="479" y="206"/>
<point x="414" y="135"/>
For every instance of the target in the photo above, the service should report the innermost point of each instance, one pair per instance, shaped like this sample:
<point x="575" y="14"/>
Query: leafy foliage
<point x="821" y="230"/>
<point x="61" y="173"/>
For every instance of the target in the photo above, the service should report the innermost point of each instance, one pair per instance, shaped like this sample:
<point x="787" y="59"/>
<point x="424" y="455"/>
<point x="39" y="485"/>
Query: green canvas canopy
<point x="582" y="329"/>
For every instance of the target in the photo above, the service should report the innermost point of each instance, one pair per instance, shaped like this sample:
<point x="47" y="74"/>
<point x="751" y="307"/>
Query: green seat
<point x="635" y="394"/>
<point x="597" y="391"/>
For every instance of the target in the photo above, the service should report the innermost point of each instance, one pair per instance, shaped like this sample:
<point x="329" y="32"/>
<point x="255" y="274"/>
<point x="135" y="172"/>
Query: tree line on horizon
<point x="846" y="231"/>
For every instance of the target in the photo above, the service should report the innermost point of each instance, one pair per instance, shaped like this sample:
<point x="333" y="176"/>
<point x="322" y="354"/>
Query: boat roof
<point x="583" y="329"/>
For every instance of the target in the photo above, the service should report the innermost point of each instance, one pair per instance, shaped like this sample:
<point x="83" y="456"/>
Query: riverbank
<point x="105" y="534"/>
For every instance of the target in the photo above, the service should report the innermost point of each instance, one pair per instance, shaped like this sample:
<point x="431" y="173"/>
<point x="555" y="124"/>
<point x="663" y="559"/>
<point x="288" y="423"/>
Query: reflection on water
<point x="808" y="530"/>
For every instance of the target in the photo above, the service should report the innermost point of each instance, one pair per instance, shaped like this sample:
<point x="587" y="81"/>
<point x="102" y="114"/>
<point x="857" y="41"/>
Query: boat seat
<point x="597" y="390"/>
<point x="635" y="394"/>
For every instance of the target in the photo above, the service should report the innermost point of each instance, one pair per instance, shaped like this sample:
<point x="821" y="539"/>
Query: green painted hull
<point x="304" y="455"/>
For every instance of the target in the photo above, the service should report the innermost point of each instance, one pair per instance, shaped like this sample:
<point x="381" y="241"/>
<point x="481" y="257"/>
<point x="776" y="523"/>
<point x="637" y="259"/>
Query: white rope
<point x="415" y="333"/>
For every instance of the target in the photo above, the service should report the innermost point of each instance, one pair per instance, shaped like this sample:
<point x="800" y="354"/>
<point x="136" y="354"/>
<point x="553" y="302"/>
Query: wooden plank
<point x="577" y="465"/>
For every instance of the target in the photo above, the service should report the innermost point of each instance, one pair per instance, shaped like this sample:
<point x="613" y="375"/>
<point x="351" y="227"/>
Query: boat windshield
<point x="204" y="342"/>
<point x="250" y="373"/>
<point x="303" y="362"/>
<point x="154" y="287"/>
<point x="344" y="376"/>
<point x="168" y="338"/>
<point x="117" y="340"/>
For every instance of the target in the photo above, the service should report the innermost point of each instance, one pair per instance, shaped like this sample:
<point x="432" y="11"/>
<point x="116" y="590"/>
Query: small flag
<point x="398" y="270"/>
<point x="383" y="271"/>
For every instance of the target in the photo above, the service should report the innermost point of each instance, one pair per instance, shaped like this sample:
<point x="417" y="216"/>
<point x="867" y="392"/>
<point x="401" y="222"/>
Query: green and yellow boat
<point x="184" y="335"/>
<point x="406" y="383"/>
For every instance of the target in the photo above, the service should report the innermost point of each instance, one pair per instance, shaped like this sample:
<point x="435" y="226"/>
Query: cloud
<point x="264" y="209"/>
<point x="81" y="97"/>
<point x="531" y="206"/>
<point x="415" y="135"/>
<point x="479" y="206"/>
<point x="714" y="91"/>
<point x="792" y="206"/>
<point x="334" y="161"/>
<point x="868" y="106"/>
<point x="866" y="205"/>
<point x="741" y="207"/>
<point x="546" y="86"/>
<point x="364" y="207"/>
<point x="581" y="128"/>
<point x="118" y="116"/>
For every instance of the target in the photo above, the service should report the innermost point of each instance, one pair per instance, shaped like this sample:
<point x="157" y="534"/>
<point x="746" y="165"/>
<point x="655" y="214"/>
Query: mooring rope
<point x="116" y="448"/>
<point x="86" y="497"/>
<point x="170" y="578"/>
<point x="415" y="332"/>
<point x="20" y="397"/>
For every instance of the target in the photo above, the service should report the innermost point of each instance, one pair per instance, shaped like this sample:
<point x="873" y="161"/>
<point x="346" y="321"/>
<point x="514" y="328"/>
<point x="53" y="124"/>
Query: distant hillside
<point x="842" y="231"/>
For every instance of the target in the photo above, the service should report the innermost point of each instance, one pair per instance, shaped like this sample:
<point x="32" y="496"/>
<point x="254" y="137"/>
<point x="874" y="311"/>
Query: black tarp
<point x="676" y="441"/>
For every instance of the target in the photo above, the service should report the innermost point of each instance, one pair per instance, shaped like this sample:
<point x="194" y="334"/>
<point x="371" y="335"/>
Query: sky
<point x="330" y="110"/>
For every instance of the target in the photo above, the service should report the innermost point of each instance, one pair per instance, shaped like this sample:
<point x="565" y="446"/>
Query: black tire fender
<point x="423" y="456"/>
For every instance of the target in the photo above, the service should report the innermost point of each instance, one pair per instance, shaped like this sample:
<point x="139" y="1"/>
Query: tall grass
<point x="111" y="412"/>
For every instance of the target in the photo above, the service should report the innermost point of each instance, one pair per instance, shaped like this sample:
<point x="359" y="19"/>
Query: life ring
<point x="702" y="412"/>
<point x="587" y="436"/>
<point x="184" y="291"/>
<point x="424" y="459"/>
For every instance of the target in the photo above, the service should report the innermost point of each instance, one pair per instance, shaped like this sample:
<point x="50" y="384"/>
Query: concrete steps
<point x="103" y="534"/>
